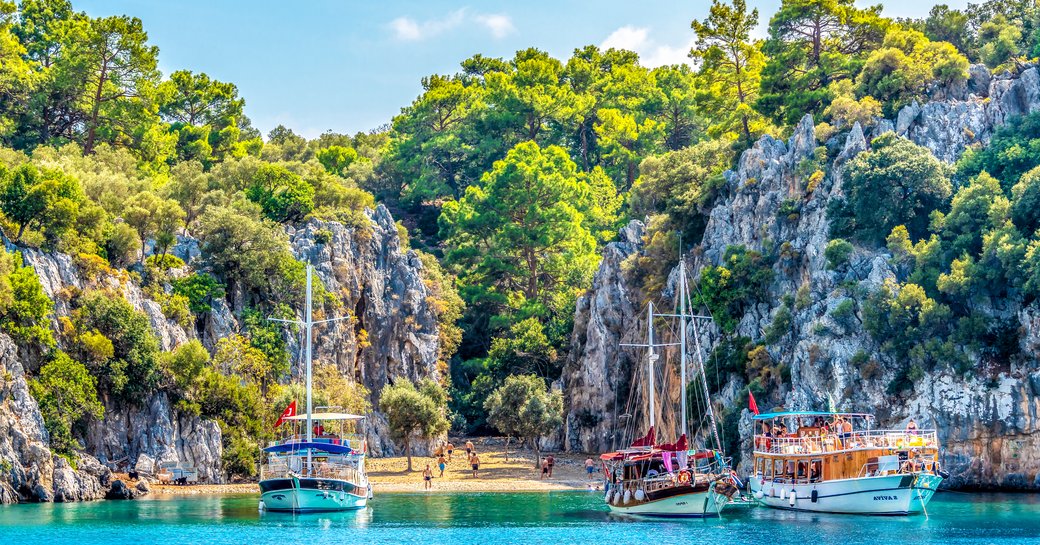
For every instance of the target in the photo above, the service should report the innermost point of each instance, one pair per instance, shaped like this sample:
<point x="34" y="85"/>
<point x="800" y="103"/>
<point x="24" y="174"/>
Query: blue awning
<point x="792" y="414"/>
<point x="303" y="445"/>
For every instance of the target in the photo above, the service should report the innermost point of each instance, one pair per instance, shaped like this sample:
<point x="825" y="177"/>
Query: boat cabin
<point x="812" y="447"/>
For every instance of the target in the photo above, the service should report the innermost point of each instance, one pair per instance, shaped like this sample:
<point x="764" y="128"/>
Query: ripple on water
<point x="497" y="518"/>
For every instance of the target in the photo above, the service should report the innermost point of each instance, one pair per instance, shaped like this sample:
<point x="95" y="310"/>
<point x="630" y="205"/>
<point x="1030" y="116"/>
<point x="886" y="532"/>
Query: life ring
<point x="683" y="477"/>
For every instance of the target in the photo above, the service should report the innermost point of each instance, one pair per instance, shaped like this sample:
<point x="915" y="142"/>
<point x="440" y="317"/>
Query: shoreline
<point x="497" y="474"/>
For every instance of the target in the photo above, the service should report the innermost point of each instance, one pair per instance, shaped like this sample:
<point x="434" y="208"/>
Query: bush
<point x="66" y="392"/>
<point x="164" y="262"/>
<point x="837" y="253"/>
<point x="741" y="279"/>
<point x="780" y="326"/>
<point x="133" y="371"/>
<point x="25" y="309"/>
<point x="896" y="183"/>
<point x="199" y="289"/>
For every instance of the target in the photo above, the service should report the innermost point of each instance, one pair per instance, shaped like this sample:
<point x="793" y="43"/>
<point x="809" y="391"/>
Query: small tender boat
<point x="670" y="480"/>
<point x="313" y="470"/>
<point x="853" y="469"/>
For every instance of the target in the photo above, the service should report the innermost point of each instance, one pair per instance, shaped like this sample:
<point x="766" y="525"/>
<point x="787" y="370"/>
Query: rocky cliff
<point x="392" y="330"/>
<point x="989" y="428"/>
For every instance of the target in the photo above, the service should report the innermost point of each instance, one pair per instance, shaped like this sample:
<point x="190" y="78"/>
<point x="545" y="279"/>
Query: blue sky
<point x="350" y="65"/>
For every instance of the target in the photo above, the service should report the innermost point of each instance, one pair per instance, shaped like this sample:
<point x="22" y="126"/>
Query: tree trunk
<point x="92" y="134"/>
<point x="408" y="452"/>
<point x="21" y="229"/>
<point x="537" y="453"/>
<point x="507" y="448"/>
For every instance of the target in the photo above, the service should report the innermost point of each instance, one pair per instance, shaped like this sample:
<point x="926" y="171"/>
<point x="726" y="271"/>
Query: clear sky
<point x="350" y="65"/>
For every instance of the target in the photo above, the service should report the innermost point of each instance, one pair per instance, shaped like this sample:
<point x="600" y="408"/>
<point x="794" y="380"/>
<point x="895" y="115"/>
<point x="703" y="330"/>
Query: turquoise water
<point x="490" y="519"/>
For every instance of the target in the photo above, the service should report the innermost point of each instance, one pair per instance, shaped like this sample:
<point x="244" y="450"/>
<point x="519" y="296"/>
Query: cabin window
<point x="816" y="471"/>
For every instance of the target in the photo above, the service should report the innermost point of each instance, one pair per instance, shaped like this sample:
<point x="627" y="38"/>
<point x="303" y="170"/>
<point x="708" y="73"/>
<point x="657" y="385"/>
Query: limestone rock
<point x="393" y="330"/>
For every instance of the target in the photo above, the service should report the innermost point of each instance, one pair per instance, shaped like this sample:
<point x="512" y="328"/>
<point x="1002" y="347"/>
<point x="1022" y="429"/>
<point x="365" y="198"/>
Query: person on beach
<point x="427" y="476"/>
<point x="469" y="448"/>
<point x="439" y="451"/>
<point x="474" y="460"/>
<point x="552" y="462"/>
<point x="590" y="468"/>
<point x="545" y="468"/>
<point x="451" y="448"/>
<point x="440" y="464"/>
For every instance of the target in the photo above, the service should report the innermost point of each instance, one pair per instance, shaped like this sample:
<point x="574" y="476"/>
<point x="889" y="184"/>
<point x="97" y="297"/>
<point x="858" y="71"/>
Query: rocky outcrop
<point x="153" y="428"/>
<point x="392" y="330"/>
<point x="28" y="469"/>
<point x="593" y="372"/>
<point x="988" y="426"/>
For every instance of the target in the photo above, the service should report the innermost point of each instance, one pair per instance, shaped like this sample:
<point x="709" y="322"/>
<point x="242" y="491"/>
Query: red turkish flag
<point x="289" y="411"/>
<point x="751" y="404"/>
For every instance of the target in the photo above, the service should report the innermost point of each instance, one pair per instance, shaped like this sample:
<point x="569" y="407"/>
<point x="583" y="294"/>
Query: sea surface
<point x="495" y="518"/>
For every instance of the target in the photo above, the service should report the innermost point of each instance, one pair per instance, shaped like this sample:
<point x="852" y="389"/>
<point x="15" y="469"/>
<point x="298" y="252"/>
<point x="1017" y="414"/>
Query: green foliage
<point x="282" y="194"/>
<point x="780" y="326"/>
<point x="905" y="65"/>
<point x="895" y="183"/>
<point x="740" y="280"/>
<point x="47" y="200"/>
<point x="66" y="392"/>
<point x="132" y="373"/>
<point x="524" y="350"/>
<point x="200" y="289"/>
<point x="414" y="413"/>
<point x="25" y="309"/>
<point x="1025" y="208"/>
<point x="1013" y="151"/>
<point x="844" y="313"/>
<point x="730" y="356"/>
<point x="837" y="253"/>
<point x="522" y="407"/>
<point x="811" y="44"/>
<point x="523" y="241"/>
<point x="250" y="254"/>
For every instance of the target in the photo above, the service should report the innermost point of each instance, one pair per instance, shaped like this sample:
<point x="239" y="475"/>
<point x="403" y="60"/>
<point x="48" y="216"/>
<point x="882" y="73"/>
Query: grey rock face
<point x="596" y="365"/>
<point x="988" y="428"/>
<point x="31" y="472"/>
<point x="154" y="428"/>
<point x="392" y="331"/>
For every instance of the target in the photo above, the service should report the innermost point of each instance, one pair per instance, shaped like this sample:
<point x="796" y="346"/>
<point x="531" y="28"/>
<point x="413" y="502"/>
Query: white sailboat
<point x="315" y="469"/>
<point x="669" y="480"/>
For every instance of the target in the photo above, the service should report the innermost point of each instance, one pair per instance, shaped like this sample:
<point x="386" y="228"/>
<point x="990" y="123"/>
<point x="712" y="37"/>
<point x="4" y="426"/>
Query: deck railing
<point x="299" y="467"/>
<point x="846" y="442"/>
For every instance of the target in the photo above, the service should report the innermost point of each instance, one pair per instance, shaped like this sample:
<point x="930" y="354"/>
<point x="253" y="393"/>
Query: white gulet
<point x="316" y="468"/>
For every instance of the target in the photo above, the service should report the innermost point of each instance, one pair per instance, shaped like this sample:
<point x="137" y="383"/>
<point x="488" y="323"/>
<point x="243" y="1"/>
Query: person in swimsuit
<point x="427" y="476"/>
<point x="451" y="448"/>
<point x="469" y="448"/>
<point x="474" y="462"/>
<point x="545" y="468"/>
<point x="440" y="464"/>
<point x="590" y="467"/>
<point x="552" y="462"/>
<point x="911" y="427"/>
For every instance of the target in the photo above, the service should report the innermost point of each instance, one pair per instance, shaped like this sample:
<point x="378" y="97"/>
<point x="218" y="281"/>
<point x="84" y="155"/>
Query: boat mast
<point x="704" y="376"/>
<point x="308" y="327"/>
<point x="651" y="358"/>
<point x="682" y="342"/>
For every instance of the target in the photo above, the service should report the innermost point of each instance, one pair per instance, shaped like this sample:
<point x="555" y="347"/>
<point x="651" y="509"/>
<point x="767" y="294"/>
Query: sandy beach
<point x="495" y="475"/>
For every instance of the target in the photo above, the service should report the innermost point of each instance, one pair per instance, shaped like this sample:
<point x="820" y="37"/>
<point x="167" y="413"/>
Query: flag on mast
<point x="752" y="405"/>
<point x="289" y="411"/>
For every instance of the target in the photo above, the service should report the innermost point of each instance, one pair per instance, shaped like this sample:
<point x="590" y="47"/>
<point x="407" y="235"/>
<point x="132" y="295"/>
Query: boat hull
<point x="698" y="504"/>
<point x="312" y="495"/>
<point x="881" y="495"/>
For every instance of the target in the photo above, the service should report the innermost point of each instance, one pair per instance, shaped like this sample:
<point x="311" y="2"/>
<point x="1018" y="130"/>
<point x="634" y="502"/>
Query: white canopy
<point x="327" y="416"/>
